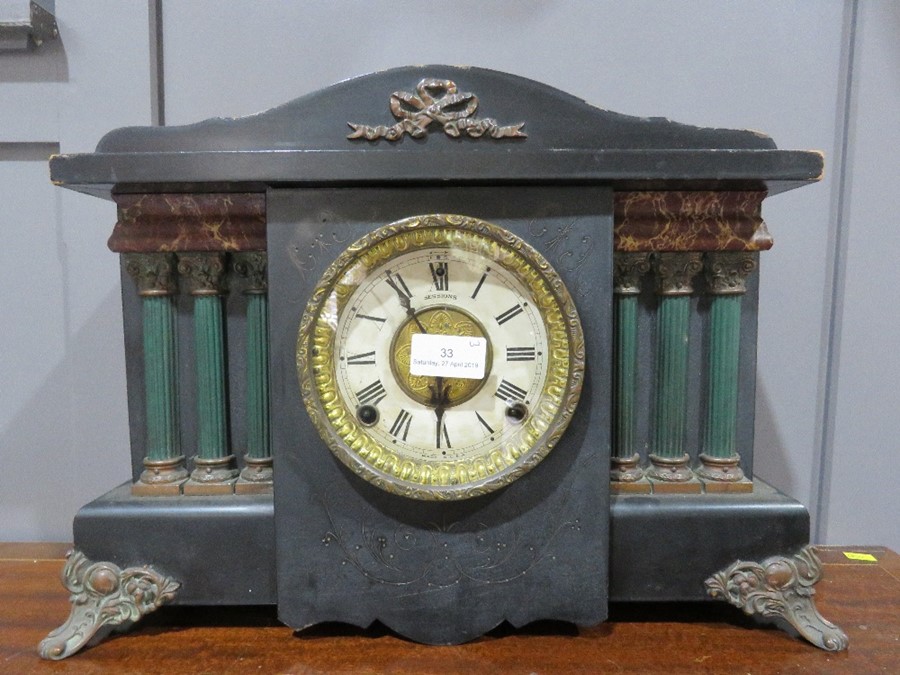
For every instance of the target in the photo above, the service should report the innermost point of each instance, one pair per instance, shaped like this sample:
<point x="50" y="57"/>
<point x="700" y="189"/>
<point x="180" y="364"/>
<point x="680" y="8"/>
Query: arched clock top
<point x="433" y="124"/>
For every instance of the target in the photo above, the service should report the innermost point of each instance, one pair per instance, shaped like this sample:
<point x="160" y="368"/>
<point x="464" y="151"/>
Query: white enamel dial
<point x="450" y="292"/>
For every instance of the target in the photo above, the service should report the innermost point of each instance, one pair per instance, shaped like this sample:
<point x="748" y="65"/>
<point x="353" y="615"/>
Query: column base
<point x="626" y="469"/>
<point x="672" y="475"/>
<point x="716" y="487"/>
<point x="626" y="476"/>
<point x="638" y="487"/>
<point x="256" y="478"/>
<point x="685" y="487"/>
<point x="193" y="488"/>
<point x="212" y="476"/>
<point x="670" y="469"/>
<point x="161" y="477"/>
<point x="723" y="474"/>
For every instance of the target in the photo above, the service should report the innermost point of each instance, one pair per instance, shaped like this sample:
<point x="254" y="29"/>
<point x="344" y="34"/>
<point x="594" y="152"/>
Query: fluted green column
<point x="671" y="388"/>
<point x="164" y="466"/>
<point x="257" y="377"/>
<point x="726" y="274"/>
<point x="257" y="473"/>
<point x="724" y="341"/>
<point x="160" y="382"/>
<point x="210" y="354"/>
<point x="213" y="463"/>
<point x="628" y="270"/>
<point x="674" y="272"/>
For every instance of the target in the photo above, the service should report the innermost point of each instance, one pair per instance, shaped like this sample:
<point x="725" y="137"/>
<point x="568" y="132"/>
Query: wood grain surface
<point x="863" y="598"/>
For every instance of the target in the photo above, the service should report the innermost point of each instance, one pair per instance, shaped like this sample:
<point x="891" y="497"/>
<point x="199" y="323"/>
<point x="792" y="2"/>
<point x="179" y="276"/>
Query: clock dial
<point x="440" y="357"/>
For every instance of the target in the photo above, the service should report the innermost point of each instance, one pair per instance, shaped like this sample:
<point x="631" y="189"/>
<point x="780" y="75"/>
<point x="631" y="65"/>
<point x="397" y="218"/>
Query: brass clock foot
<point x="780" y="588"/>
<point x="104" y="597"/>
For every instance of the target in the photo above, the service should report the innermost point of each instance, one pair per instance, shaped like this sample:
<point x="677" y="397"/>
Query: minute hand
<point x="404" y="300"/>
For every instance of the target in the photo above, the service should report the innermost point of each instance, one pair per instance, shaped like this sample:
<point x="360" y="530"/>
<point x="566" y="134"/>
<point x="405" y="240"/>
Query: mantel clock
<point x="439" y="347"/>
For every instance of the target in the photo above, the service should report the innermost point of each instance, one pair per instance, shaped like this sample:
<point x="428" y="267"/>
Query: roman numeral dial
<point x="435" y="293"/>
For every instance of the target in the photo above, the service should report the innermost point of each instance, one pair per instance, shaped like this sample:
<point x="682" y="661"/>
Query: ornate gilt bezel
<point x="335" y="420"/>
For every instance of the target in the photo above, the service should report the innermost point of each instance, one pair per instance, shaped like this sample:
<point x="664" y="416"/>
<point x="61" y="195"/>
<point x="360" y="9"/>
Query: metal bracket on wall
<point x="24" y="23"/>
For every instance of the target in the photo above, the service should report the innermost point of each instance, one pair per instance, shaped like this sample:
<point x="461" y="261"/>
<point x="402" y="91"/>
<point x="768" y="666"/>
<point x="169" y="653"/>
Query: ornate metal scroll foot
<point x="780" y="588"/>
<point x="104" y="597"/>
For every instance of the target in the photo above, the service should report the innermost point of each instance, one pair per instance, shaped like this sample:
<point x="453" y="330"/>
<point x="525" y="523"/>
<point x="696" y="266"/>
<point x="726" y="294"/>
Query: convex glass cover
<point x="440" y="357"/>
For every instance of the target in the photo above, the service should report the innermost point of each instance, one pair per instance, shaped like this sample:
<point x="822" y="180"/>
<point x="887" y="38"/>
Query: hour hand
<point x="440" y="395"/>
<point x="439" y="398"/>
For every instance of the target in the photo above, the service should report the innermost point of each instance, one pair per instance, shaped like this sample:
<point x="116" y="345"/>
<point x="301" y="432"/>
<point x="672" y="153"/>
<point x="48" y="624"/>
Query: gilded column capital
<point x="727" y="271"/>
<point x="204" y="273"/>
<point x="628" y="268"/>
<point x="154" y="273"/>
<point x="675" y="272"/>
<point x="252" y="266"/>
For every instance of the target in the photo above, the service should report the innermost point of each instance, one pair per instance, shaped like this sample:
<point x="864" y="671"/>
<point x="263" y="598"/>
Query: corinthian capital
<point x="675" y="272"/>
<point x="204" y="273"/>
<point x="727" y="272"/>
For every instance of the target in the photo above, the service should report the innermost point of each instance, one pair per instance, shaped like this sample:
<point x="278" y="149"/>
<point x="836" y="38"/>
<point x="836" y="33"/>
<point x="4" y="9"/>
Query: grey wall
<point x="821" y="75"/>
<point x="63" y="419"/>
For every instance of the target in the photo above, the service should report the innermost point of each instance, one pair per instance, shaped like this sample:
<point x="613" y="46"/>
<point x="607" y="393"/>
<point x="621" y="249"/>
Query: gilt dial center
<point x="436" y="320"/>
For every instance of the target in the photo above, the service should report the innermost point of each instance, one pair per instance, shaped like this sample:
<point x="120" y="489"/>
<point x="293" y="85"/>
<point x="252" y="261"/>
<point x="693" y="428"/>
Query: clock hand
<point x="439" y="398"/>
<point x="411" y="312"/>
<point x="404" y="301"/>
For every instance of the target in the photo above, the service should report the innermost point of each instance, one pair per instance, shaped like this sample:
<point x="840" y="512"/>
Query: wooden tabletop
<point x="862" y="597"/>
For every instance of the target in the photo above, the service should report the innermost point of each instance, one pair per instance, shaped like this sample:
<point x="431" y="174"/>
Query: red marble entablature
<point x="190" y="222"/>
<point x="644" y="221"/>
<point x="690" y="221"/>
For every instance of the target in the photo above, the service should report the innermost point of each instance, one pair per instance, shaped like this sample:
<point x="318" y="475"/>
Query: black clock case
<point x="661" y="547"/>
<point x="441" y="572"/>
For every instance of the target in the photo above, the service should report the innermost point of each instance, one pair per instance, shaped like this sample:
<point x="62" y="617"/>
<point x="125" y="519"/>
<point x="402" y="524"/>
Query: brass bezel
<point x="335" y="420"/>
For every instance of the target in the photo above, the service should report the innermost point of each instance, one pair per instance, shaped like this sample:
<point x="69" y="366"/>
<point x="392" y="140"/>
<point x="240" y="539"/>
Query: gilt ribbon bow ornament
<point x="436" y="101"/>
